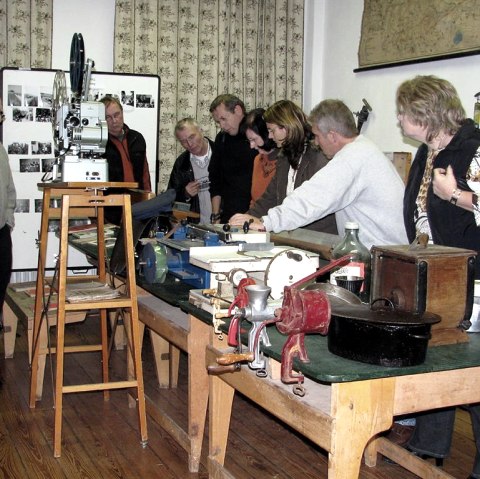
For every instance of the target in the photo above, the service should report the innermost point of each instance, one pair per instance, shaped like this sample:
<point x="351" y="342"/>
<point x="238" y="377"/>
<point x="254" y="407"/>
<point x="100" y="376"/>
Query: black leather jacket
<point x="181" y="175"/>
<point x="230" y="173"/>
<point x="137" y="150"/>
<point x="450" y="225"/>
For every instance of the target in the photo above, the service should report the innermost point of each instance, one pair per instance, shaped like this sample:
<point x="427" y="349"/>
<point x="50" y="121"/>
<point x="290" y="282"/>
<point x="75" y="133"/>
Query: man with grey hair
<point x="358" y="184"/>
<point x="189" y="176"/>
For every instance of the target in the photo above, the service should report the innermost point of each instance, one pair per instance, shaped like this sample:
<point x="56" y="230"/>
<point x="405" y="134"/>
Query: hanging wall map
<point x="409" y="31"/>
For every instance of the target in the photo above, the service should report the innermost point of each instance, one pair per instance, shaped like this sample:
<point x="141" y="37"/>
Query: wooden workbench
<point x="347" y="403"/>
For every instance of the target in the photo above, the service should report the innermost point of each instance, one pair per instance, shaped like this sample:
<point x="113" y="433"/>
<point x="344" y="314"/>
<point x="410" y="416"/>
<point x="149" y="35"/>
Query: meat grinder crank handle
<point x="230" y="358"/>
<point x="333" y="264"/>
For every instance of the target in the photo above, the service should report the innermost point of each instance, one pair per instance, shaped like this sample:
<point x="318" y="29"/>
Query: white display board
<point x="27" y="136"/>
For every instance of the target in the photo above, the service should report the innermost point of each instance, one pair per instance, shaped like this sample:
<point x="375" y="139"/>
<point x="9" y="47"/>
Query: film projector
<point x="79" y="127"/>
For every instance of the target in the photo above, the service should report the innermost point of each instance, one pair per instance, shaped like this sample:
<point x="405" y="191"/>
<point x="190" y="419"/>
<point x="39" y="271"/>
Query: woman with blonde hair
<point x="441" y="201"/>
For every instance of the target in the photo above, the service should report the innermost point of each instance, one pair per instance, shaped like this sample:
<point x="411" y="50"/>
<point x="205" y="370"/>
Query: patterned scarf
<point x="421" y="218"/>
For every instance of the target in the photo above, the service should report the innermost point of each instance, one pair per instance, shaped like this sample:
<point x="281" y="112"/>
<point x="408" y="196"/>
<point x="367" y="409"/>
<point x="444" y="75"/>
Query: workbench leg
<point x="197" y="389"/>
<point x="10" y="322"/>
<point x="161" y="354"/>
<point x="219" y="414"/>
<point x="371" y="453"/>
<point x="174" y="356"/>
<point x="361" y="409"/>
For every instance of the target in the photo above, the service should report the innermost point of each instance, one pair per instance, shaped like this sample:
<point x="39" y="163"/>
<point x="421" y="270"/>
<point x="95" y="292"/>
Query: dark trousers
<point x="434" y="430"/>
<point x="148" y="209"/>
<point x="5" y="261"/>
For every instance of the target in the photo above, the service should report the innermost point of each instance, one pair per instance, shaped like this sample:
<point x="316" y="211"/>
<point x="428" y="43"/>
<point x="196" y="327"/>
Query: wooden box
<point x="432" y="278"/>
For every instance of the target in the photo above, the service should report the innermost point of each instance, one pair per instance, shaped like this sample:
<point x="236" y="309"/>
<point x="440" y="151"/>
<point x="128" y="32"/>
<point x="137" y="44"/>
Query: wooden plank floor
<point x="101" y="440"/>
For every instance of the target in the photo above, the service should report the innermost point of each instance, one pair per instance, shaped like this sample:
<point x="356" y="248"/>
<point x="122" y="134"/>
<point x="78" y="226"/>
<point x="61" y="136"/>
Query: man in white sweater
<point x="358" y="184"/>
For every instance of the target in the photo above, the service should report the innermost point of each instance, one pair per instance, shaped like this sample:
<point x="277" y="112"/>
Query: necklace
<point x="293" y="174"/>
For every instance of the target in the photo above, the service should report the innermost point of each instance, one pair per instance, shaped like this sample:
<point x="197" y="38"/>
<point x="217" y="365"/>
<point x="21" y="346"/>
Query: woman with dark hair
<point x="264" y="164"/>
<point x="297" y="161"/>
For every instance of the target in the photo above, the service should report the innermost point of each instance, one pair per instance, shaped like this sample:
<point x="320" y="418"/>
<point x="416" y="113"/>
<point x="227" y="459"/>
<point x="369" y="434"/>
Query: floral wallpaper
<point x="26" y="33"/>
<point x="201" y="48"/>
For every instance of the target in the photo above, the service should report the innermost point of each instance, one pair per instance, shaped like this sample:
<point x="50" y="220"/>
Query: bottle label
<point x="351" y="269"/>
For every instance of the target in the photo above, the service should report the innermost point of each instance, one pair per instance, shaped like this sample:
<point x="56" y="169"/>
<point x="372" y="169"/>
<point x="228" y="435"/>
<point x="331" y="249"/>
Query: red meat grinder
<point x="303" y="311"/>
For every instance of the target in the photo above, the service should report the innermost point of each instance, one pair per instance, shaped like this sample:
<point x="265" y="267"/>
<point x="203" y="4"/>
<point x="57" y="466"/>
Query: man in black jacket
<point x="126" y="154"/>
<point x="126" y="150"/>
<point x="231" y="165"/>
<point x="189" y="176"/>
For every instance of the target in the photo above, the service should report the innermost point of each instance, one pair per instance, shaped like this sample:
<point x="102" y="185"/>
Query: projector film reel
<point x="77" y="64"/>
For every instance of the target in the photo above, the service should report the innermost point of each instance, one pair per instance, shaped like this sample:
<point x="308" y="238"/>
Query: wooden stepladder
<point x="86" y="200"/>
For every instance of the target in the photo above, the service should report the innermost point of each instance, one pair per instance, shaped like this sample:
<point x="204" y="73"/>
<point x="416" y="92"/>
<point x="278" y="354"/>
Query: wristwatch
<point x="455" y="195"/>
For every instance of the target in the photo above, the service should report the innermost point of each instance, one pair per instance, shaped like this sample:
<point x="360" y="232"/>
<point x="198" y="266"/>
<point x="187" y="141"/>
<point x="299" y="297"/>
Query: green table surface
<point x="324" y="366"/>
